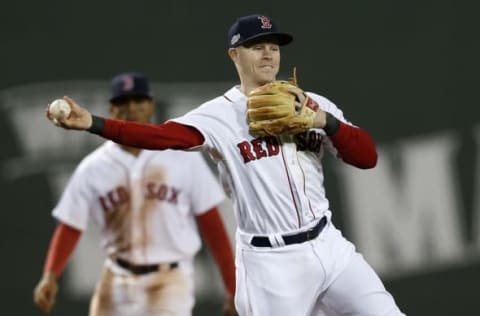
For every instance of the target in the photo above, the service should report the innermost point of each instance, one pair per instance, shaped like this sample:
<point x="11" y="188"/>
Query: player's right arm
<point x="63" y="243"/>
<point x="169" y="135"/>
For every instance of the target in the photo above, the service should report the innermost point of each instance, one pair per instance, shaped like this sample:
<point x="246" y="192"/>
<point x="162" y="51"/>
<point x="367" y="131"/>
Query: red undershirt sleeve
<point x="169" y="135"/>
<point x="63" y="243"/>
<point x="215" y="236"/>
<point x="355" y="146"/>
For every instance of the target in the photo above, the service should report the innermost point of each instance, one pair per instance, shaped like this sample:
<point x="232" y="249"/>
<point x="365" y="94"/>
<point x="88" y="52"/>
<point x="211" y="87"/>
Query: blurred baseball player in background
<point x="290" y="258"/>
<point x="148" y="205"/>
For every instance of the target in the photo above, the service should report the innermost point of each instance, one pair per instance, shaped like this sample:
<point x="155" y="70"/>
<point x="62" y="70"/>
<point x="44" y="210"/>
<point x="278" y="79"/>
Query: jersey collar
<point x="235" y="95"/>
<point x="116" y="151"/>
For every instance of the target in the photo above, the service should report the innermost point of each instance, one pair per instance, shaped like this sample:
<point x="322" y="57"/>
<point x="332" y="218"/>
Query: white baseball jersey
<point x="276" y="183"/>
<point x="145" y="205"/>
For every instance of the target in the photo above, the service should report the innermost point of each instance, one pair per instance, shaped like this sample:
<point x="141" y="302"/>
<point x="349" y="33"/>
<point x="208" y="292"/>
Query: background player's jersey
<point x="285" y="196"/>
<point x="145" y="205"/>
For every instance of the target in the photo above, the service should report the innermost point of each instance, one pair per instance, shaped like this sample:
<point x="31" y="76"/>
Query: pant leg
<point x="352" y="287"/>
<point x="112" y="296"/>
<point x="321" y="309"/>
<point x="169" y="293"/>
<point x="163" y="293"/>
<point x="358" y="291"/>
<point x="279" y="281"/>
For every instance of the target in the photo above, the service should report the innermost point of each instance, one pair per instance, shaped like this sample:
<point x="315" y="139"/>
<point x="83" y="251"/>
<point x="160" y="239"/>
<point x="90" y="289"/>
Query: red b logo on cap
<point x="128" y="83"/>
<point x="266" y="24"/>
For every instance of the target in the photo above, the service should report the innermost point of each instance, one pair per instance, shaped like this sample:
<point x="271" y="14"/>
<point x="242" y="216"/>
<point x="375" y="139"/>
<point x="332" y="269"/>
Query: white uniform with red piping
<point x="276" y="184"/>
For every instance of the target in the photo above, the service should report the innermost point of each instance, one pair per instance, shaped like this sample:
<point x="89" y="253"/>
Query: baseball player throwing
<point x="148" y="205"/>
<point x="290" y="258"/>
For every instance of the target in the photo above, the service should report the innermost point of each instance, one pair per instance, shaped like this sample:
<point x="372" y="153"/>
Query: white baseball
<point x="58" y="108"/>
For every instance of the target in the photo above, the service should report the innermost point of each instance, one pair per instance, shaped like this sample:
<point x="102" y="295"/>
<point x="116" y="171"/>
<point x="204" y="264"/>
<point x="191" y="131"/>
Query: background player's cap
<point x="251" y="27"/>
<point x="130" y="84"/>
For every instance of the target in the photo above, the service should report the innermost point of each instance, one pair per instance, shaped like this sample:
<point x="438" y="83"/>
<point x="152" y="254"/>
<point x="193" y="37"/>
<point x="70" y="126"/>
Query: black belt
<point x="142" y="268"/>
<point x="312" y="233"/>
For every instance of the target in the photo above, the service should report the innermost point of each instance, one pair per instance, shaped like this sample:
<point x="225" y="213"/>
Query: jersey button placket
<point x="300" y="181"/>
<point x="295" y="172"/>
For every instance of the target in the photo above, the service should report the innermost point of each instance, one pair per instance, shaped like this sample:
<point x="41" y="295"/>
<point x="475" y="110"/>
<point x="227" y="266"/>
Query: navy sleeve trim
<point x="98" y="123"/>
<point x="332" y="124"/>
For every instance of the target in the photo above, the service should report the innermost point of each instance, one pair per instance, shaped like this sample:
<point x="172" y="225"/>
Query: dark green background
<point x="398" y="68"/>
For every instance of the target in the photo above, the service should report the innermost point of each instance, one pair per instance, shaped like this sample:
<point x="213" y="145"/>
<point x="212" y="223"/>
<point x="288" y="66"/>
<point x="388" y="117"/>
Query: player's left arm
<point x="354" y="145"/>
<point x="215" y="236"/>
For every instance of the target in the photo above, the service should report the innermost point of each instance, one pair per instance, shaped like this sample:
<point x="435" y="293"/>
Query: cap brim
<point x="282" y="38"/>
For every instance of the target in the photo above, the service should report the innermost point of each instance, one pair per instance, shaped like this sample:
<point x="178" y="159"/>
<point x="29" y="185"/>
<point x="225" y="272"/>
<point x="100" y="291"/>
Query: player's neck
<point x="246" y="88"/>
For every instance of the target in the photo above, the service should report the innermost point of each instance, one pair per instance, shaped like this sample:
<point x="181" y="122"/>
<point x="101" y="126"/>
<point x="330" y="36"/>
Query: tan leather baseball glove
<point x="280" y="107"/>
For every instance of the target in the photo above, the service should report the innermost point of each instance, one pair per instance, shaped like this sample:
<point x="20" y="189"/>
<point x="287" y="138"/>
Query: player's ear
<point x="233" y="53"/>
<point x="153" y="106"/>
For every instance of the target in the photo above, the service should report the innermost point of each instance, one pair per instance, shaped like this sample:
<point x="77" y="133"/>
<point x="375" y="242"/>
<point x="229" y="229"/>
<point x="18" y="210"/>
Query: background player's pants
<point x="324" y="276"/>
<point x="168" y="292"/>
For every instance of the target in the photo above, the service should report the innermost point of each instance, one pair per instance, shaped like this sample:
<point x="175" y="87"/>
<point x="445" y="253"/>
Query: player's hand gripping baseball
<point x="78" y="118"/>
<point x="45" y="292"/>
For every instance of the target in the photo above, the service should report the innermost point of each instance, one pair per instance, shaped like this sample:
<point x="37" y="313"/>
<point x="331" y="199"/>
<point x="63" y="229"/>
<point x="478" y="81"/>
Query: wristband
<point x="97" y="125"/>
<point x="332" y="124"/>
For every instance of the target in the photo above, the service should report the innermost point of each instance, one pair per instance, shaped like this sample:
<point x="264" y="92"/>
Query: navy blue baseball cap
<point x="255" y="26"/>
<point x="130" y="84"/>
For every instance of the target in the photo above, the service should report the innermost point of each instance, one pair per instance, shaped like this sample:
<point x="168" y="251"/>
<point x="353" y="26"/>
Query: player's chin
<point x="266" y="77"/>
